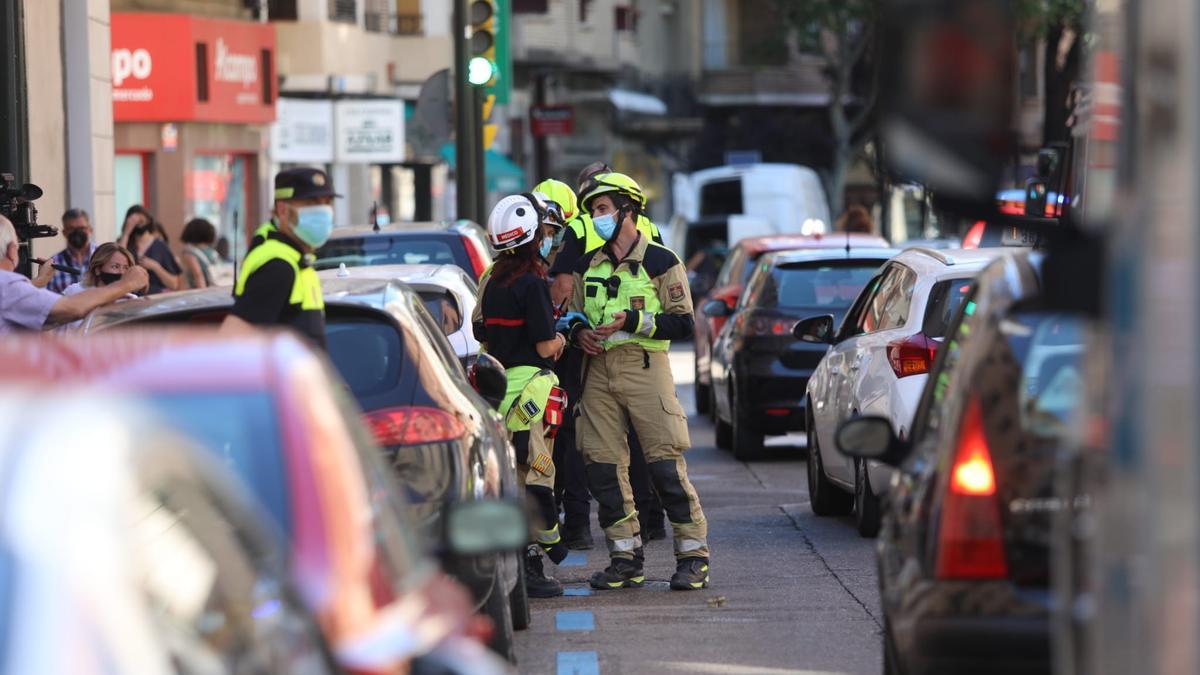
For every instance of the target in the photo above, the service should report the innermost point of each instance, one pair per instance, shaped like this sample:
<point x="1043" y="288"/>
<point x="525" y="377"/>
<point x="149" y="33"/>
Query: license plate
<point x="1015" y="236"/>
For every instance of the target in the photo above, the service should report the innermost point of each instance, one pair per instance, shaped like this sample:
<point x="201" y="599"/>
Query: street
<point x="790" y="592"/>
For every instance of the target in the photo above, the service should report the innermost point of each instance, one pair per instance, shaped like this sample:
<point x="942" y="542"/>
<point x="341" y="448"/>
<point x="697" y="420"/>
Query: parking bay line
<point x="574" y="559"/>
<point x="582" y="620"/>
<point x="578" y="663"/>
<point x="577" y="591"/>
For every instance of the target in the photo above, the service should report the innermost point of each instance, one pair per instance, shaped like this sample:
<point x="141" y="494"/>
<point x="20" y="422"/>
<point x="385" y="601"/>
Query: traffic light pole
<point x="481" y="160"/>
<point x="466" y="107"/>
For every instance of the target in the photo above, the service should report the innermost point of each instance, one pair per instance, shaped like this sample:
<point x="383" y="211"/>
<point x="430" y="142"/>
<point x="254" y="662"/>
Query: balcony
<point x="801" y="85"/>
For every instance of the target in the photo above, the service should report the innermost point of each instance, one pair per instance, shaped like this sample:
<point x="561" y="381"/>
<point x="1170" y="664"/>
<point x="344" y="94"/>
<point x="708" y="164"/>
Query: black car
<point x="443" y="441"/>
<point x="964" y="549"/>
<point x="461" y="243"/>
<point x="759" y="371"/>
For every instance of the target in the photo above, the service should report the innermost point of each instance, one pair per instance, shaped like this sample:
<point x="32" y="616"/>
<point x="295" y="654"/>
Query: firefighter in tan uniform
<point x="634" y="295"/>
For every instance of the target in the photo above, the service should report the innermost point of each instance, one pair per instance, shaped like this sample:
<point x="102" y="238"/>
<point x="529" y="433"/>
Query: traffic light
<point x="482" y="69"/>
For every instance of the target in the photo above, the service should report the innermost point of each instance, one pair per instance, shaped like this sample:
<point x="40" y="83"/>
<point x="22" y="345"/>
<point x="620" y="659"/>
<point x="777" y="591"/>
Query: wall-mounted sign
<point x="551" y="120"/>
<point x="170" y="137"/>
<point x="303" y="131"/>
<point x="370" y="132"/>
<point x="175" y="68"/>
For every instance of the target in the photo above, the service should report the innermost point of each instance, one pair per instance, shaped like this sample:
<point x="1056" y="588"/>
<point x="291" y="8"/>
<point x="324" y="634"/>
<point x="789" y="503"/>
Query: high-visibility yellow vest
<point x="306" y="288"/>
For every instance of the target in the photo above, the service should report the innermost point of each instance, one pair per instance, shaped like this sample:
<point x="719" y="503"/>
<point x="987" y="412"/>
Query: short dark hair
<point x="199" y="231"/>
<point x="72" y="214"/>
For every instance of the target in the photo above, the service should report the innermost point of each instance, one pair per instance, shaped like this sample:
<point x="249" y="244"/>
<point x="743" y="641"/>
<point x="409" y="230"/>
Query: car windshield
<point x="400" y="249"/>
<point x="241" y="429"/>
<point x="831" y="285"/>
<point x="944" y="300"/>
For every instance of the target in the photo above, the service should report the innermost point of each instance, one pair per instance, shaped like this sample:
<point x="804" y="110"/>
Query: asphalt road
<point x="790" y="593"/>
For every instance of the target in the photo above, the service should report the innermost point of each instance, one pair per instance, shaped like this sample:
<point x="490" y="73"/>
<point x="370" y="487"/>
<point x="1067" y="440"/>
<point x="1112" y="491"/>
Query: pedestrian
<point x="25" y="305"/>
<point x="199" y="256"/>
<point x="77" y="231"/>
<point x="518" y="327"/>
<point x="856" y="219"/>
<point x="108" y="265"/>
<point x="135" y="216"/>
<point x="277" y="284"/>
<point x="634" y="296"/>
<point x="580" y="239"/>
<point x="152" y="252"/>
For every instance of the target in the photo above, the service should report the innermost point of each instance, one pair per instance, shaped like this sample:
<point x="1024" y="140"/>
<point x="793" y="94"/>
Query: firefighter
<point x="634" y="296"/>
<point x="517" y="323"/>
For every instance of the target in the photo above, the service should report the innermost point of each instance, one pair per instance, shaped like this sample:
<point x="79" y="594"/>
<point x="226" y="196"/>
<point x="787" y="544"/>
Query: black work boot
<point x="620" y="573"/>
<point x="578" y="538"/>
<point x="537" y="584"/>
<point x="690" y="574"/>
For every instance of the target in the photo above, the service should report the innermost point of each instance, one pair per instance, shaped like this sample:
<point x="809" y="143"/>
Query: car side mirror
<point x="486" y="526"/>
<point x="716" y="309"/>
<point x="489" y="378"/>
<point x="815" y="329"/>
<point x="870" y="438"/>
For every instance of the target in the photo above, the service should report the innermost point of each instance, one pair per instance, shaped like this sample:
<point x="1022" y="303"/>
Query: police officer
<point x="580" y="239"/>
<point x="518" y="327"/>
<point x="634" y="294"/>
<point x="277" y="285"/>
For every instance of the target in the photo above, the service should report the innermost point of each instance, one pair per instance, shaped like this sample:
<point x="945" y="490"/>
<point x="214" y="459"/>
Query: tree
<point x="842" y="33"/>
<point x="1058" y="24"/>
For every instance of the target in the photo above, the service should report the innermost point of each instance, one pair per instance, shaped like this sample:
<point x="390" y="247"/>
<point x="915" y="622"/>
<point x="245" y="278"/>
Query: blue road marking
<point x="578" y="663"/>
<point x="574" y="559"/>
<point x="577" y="590"/>
<point x="574" y="620"/>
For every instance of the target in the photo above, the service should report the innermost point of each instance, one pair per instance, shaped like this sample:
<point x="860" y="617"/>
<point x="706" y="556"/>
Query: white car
<point x="877" y="364"/>
<point x="447" y="291"/>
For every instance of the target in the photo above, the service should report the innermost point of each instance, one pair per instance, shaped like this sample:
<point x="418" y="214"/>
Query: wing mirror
<point x="486" y="526"/>
<point x="489" y="378"/>
<point x="716" y="309"/>
<point x="815" y="329"/>
<point x="871" y="438"/>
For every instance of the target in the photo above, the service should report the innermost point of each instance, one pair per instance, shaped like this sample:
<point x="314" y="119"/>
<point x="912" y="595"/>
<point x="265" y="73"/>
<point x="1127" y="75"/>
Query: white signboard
<point x="369" y="132"/>
<point x="302" y="132"/>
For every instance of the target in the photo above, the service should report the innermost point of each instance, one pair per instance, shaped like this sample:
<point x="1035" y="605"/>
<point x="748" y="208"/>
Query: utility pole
<point x="14" y="120"/>
<point x="466" y="107"/>
<point x="541" y="153"/>
<point x="481" y="213"/>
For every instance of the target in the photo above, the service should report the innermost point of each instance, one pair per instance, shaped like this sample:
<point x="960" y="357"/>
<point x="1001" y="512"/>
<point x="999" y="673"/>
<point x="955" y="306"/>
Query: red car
<point x="275" y="412"/>
<point x="732" y="279"/>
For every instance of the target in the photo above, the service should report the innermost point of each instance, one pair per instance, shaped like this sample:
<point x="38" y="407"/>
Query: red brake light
<point x="970" y="535"/>
<point x="769" y="326"/>
<point x="475" y="256"/>
<point x="974" y="235"/>
<point x="415" y="425"/>
<point x="912" y="355"/>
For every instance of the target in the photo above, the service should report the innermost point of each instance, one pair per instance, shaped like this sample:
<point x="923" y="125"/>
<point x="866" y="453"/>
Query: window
<point x="584" y="7"/>
<point x="218" y="191"/>
<point x="826" y="285"/>
<point x="367" y="353"/>
<point x="721" y="198"/>
<point x="1048" y="347"/>
<point x="399" y="250"/>
<point x="931" y="411"/>
<point x="443" y="307"/>
<point x="379" y="16"/>
<point x="530" y="6"/>
<point x="732" y="267"/>
<point x="626" y="18"/>
<point x="201" y="72"/>
<point x="343" y="10"/>
<point x="282" y="10"/>
<point x="888" y="308"/>
<point x="944" y="300"/>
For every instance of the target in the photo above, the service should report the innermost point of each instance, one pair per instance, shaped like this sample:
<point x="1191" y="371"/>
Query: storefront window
<point x="129" y="184"/>
<point x="217" y="191"/>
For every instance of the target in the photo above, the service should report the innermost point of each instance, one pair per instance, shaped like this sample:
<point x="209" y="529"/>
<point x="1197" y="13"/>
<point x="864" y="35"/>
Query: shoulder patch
<point x="675" y="292"/>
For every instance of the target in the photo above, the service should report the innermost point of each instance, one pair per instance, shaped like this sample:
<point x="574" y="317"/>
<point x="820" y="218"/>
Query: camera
<point x="16" y="204"/>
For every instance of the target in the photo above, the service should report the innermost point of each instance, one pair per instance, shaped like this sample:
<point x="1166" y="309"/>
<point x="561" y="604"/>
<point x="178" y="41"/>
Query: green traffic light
<point x="480" y="71"/>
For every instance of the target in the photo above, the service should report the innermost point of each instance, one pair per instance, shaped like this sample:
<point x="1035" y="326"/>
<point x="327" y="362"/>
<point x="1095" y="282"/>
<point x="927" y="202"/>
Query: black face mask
<point x="107" y="278"/>
<point x="77" y="238"/>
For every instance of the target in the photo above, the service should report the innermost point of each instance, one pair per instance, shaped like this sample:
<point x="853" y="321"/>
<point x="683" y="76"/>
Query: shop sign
<point x="552" y="120"/>
<point x="177" y="68"/>
<point x="303" y="131"/>
<point x="369" y="132"/>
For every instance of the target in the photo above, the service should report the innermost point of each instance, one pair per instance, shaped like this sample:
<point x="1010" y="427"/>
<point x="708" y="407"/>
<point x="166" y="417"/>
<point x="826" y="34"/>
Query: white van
<point x="769" y="198"/>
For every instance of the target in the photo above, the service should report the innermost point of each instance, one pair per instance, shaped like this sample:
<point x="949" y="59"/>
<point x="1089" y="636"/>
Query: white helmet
<point x="514" y="221"/>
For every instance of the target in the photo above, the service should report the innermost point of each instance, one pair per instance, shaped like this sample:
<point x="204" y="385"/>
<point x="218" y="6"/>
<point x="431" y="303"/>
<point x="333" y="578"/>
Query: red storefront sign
<point x="175" y="67"/>
<point x="552" y="120"/>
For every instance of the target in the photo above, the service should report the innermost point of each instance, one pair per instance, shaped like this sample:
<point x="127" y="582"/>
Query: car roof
<point x="440" y="275"/>
<point x="932" y="261"/>
<point x="443" y="226"/>
<point x="819" y="254"/>
<point x="755" y="246"/>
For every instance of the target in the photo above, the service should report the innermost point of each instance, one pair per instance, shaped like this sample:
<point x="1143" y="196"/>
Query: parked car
<point x="125" y="549"/>
<point x="268" y="407"/>
<point x="443" y="441"/>
<point x="731" y="281"/>
<point x="758" y="369"/>
<point x="447" y="291"/>
<point x="964" y="550"/>
<point x="460" y="243"/>
<point x="877" y="365"/>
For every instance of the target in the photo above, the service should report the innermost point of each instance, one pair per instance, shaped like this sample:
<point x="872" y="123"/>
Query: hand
<point x="44" y="275"/>
<point x="609" y="328"/>
<point x="589" y="342"/>
<point x="136" y="278"/>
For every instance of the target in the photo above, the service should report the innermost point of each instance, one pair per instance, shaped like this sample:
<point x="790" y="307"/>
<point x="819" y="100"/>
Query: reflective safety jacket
<point x="306" y="288"/>
<point x="581" y="227"/>
<point x="650" y="285"/>
<point x="528" y="397"/>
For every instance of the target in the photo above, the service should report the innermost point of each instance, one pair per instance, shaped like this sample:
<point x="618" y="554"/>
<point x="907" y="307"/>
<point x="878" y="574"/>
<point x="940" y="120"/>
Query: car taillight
<point x="415" y="425"/>
<point x="912" y="355"/>
<point x="475" y="256"/>
<point x="768" y="326"/>
<point x="970" y="535"/>
<point x="974" y="235"/>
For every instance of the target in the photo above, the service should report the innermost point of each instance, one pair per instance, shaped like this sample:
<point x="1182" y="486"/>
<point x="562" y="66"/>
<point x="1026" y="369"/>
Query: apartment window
<point x="584" y="7"/>
<point x="202" y="72"/>
<point x="530" y="6"/>
<point x="380" y="17"/>
<point x="626" y="18"/>
<point x="343" y="10"/>
<point x="282" y="10"/>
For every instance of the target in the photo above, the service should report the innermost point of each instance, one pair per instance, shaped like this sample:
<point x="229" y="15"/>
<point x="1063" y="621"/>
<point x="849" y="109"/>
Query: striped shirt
<point x="61" y="279"/>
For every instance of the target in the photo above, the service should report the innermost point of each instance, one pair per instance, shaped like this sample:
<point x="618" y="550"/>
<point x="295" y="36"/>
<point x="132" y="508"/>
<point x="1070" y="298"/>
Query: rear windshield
<point x="944" y="300"/>
<point x="831" y="285"/>
<point x="241" y="429"/>
<point x="366" y="352"/>
<point x="400" y="249"/>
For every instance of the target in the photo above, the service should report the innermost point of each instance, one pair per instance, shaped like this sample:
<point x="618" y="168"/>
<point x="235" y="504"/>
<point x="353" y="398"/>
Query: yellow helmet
<point x="614" y="183"/>
<point x="560" y="193"/>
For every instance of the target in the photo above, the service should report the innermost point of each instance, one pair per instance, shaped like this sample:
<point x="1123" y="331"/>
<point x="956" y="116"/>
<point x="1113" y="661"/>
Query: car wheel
<point x="703" y="391"/>
<point x="498" y="608"/>
<point x="747" y="440"/>
<point x="823" y="496"/>
<point x="724" y="433"/>
<point x="518" y="599"/>
<point x="866" y="504"/>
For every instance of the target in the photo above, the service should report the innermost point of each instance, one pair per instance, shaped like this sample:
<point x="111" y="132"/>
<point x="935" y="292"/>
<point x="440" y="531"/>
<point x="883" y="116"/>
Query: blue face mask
<point x="547" y="244"/>
<point x="314" y="224"/>
<point x="606" y="226"/>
